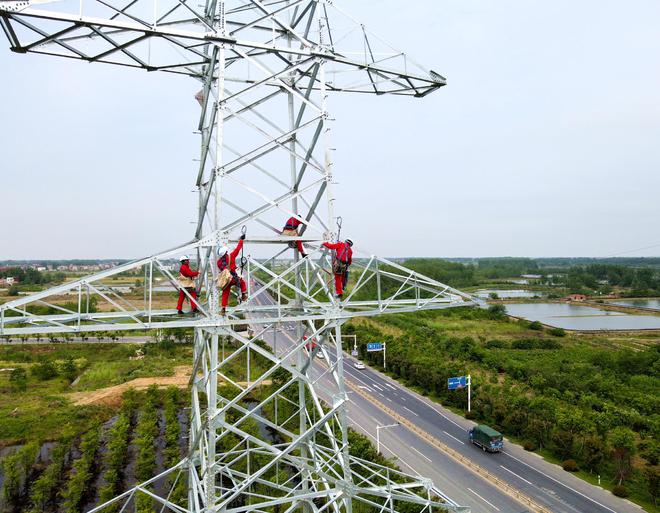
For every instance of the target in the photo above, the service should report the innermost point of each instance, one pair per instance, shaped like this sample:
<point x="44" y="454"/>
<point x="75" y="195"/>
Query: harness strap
<point x="344" y="254"/>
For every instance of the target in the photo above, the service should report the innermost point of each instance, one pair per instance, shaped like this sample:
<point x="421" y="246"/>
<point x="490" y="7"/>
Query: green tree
<point x="44" y="370"/>
<point x="18" y="379"/>
<point x="652" y="477"/>
<point x="69" y="369"/>
<point x="622" y="440"/>
<point x="497" y="311"/>
<point x="593" y="453"/>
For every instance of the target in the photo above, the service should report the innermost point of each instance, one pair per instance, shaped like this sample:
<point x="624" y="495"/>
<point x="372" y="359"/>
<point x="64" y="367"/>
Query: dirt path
<point x="111" y="396"/>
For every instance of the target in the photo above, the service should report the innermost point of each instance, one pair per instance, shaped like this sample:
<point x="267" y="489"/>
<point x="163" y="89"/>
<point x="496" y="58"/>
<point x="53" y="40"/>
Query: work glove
<point x="242" y="237"/>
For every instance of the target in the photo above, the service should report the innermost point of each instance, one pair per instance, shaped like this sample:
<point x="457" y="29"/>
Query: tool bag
<point x="185" y="282"/>
<point x="290" y="232"/>
<point x="224" y="278"/>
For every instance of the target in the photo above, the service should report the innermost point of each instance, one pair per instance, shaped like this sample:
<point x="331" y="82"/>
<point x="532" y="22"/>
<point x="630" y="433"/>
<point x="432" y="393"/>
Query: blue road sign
<point x="354" y="352"/>
<point x="457" y="382"/>
<point x="374" y="346"/>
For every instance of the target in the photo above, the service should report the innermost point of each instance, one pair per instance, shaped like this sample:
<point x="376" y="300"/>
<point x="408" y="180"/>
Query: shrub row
<point x="16" y="469"/>
<point x="172" y="428"/>
<point x="145" y="441"/>
<point x="82" y="472"/>
<point x="43" y="493"/>
<point x="117" y="453"/>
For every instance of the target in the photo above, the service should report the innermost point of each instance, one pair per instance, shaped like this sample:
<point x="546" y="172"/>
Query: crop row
<point x="117" y="450"/>
<point x="68" y="485"/>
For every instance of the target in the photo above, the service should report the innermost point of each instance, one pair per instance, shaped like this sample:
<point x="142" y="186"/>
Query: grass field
<point x="41" y="411"/>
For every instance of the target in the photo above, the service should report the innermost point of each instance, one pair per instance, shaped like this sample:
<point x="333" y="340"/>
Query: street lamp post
<point x="354" y="337"/>
<point x="378" y="428"/>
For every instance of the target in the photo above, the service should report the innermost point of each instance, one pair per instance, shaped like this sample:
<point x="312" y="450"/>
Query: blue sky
<point x="543" y="143"/>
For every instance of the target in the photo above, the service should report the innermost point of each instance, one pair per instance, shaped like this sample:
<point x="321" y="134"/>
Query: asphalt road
<point x="547" y="484"/>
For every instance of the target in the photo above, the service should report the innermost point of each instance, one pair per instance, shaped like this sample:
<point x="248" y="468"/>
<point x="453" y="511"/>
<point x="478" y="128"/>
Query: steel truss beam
<point x="90" y="304"/>
<point x="266" y="68"/>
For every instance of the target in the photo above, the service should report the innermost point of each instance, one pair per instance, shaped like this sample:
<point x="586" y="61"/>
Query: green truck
<point x="487" y="438"/>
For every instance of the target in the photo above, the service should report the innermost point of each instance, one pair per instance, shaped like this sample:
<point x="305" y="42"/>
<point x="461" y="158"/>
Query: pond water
<point x="653" y="304"/>
<point x="506" y="294"/>
<point x="576" y="317"/>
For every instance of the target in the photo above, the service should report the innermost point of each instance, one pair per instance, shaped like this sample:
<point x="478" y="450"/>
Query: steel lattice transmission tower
<point x="265" y="68"/>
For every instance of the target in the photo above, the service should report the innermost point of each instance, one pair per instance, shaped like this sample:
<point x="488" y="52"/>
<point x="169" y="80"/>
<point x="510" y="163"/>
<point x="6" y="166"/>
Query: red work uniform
<point x="293" y="224"/>
<point x="229" y="262"/>
<point x="186" y="271"/>
<point x="343" y="253"/>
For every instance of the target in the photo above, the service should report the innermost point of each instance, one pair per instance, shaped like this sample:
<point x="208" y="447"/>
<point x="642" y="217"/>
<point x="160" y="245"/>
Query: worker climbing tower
<point x="268" y="425"/>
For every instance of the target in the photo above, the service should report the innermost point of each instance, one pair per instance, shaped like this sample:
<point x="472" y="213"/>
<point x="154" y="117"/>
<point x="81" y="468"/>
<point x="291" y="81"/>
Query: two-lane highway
<point x="547" y="484"/>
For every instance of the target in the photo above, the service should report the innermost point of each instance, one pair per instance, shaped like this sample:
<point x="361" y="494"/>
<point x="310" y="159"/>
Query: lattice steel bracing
<point x="265" y="71"/>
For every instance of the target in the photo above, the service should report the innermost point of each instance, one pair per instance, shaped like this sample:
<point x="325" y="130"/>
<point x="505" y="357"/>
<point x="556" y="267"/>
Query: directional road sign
<point x="457" y="382"/>
<point x="354" y="352"/>
<point x="374" y="346"/>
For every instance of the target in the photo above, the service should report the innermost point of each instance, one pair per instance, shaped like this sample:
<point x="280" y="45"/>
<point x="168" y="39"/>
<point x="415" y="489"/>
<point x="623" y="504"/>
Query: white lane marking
<point x="442" y="414"/>
<point x="559" y="482"/>
<point x="411" y="411"/>
<point x="377" y="387"/>
<point x="381" y="395"/>
<point x="390" y="400"/>
<point x="364" y="387"/>
<point x="355" y="377"/>
<point x="402" y="398"/>
<point x="521" y="478"/>
<point x="422" y="455"/>
<point x="489" y="503"/>
<point x="423" y="401"/>
<point x="452" y="436"/>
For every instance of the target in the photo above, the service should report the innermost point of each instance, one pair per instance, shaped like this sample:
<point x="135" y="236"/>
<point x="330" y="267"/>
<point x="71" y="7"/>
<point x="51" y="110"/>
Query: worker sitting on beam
<point x="291" y="230"/>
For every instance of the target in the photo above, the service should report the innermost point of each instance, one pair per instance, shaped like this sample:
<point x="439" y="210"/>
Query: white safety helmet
<point x="349" y="242"/>
<point x="184" y="258"/>
<point x="222" y="250"/>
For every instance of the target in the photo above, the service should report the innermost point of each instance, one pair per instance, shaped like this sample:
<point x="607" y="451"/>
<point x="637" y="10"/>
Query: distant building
<point x="531" y="276"/>
<point x="576" y="297"/>
<point x="8" y="281"/>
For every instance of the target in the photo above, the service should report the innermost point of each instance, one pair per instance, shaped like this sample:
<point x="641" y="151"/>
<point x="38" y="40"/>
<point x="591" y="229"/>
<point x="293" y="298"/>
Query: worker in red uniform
<point x="341" y="261"/>
<point x="186" y="281"/>
<point x="227" y="261"/>
<point x="291" y="230"/>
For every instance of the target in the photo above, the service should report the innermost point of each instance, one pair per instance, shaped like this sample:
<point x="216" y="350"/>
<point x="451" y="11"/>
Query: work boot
<point x="340" y="296"/>
<point x="180" y="312"/>
<point x="195" y="311"/>
<point x="304" y="255"/>
<point x="244" y="297"/>
<point x="223" y="312"/>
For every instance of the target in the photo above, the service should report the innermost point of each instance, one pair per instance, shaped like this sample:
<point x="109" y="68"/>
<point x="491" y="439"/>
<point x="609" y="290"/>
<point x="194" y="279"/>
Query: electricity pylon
<point x="265" y="70"/>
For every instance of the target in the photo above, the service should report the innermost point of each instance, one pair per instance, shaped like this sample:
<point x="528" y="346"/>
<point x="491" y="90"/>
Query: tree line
<point x="592" y="408"/>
